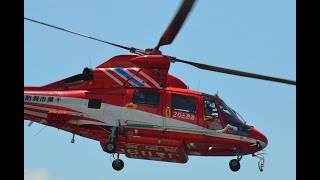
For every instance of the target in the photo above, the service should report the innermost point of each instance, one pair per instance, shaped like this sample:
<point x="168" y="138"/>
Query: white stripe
<point x="37" y="107"/>
<point x="48" y="109"/>
<point x="150" y="79"/>
<point x="123" y="77"/>
<point x="43" y="115"/>
<point x="82" y="122"/>
<point x="111" y="76"/>
<point x="137" y="78"/>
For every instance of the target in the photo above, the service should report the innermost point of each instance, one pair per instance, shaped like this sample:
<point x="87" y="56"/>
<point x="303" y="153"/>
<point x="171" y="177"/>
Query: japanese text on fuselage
<point x="50" y="99"/>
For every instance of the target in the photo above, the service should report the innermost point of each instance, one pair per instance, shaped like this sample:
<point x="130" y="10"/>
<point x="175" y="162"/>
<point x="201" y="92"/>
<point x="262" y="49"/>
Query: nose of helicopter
<point x="262" y="139"/>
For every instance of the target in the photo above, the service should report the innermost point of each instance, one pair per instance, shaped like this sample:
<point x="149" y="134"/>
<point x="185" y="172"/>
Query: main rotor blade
<point x="131" y="49"/>
<point x="234" y="72"/>
<point x="175" y="25"/>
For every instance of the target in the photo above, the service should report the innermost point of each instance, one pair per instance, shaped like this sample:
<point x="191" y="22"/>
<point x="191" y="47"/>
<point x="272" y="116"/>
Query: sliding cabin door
<point x="182" y="111"/>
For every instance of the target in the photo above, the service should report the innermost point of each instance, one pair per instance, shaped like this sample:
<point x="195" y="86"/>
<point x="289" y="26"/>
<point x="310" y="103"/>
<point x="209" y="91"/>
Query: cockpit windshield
<point x="234" y="119"/>
<point x="227" y="112"/>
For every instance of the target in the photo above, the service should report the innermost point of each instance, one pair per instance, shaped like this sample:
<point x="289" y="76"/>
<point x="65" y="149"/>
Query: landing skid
<point x="261" y="160"/>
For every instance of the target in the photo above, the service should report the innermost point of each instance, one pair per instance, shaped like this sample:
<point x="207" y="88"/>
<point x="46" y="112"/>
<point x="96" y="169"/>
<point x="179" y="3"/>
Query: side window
<point x="183" y="103"/>
<point x="210" y="107"/>
<point x="146" y="97"/>
<point x="94" y="103"/>
<point x="212" y="122"/>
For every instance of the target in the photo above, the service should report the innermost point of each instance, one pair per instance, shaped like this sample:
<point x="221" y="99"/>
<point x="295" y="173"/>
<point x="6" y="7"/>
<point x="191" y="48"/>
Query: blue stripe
<point x="125" y="74"/>
<point x="140" y="125"/>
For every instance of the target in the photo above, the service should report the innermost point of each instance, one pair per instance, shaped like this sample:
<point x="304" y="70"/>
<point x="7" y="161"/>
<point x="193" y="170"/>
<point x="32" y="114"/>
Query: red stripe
<point x="56" y="94"/>
<point x="106" y="77"/>
<point x="115" y="75"/>
<point x="152" y="76"/>
<point x="33" y="117"/>
<point x="36" y="110"/>
<point x="43" y="93"/>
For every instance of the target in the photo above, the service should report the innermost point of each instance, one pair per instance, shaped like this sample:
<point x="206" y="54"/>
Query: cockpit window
<point x="226" y="111"/>
<point x="211" y="115"/>
<point x="234" y="120"/>
<point x="210" y="107"/>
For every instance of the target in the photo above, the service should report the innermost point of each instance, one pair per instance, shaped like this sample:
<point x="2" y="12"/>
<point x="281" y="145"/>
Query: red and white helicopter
<point x="132" y="106"/>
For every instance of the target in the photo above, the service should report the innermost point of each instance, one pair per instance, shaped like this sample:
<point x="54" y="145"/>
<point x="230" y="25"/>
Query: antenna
<point x="198" y="85"/>
<point x="30" y="123"/>
<point x="90" y="61"/>
<point x="40" y="130"/>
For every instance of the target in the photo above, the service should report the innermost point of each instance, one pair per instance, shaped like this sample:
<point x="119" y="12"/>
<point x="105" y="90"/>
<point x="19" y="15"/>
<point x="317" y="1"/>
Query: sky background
<point x="257" y="36"/>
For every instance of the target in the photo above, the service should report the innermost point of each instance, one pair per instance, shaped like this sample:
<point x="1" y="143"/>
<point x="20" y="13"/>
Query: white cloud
<point x="36" y="174"/>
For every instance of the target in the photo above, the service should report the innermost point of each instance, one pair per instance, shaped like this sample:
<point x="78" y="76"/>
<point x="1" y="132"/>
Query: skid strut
<point x="111" y="145"/>
<point x="239" y="154"/>
<point x="234" y="164"/>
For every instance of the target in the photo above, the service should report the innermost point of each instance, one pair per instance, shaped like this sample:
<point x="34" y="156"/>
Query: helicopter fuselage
<point x="157" y="124"/>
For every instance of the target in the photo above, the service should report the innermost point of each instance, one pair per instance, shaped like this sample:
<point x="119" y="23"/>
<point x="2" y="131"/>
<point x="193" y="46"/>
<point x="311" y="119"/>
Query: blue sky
<point x="250" y="35"/>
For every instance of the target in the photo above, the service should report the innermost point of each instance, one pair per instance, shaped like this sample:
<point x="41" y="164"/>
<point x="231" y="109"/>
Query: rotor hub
<point x="153" y="51"/>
